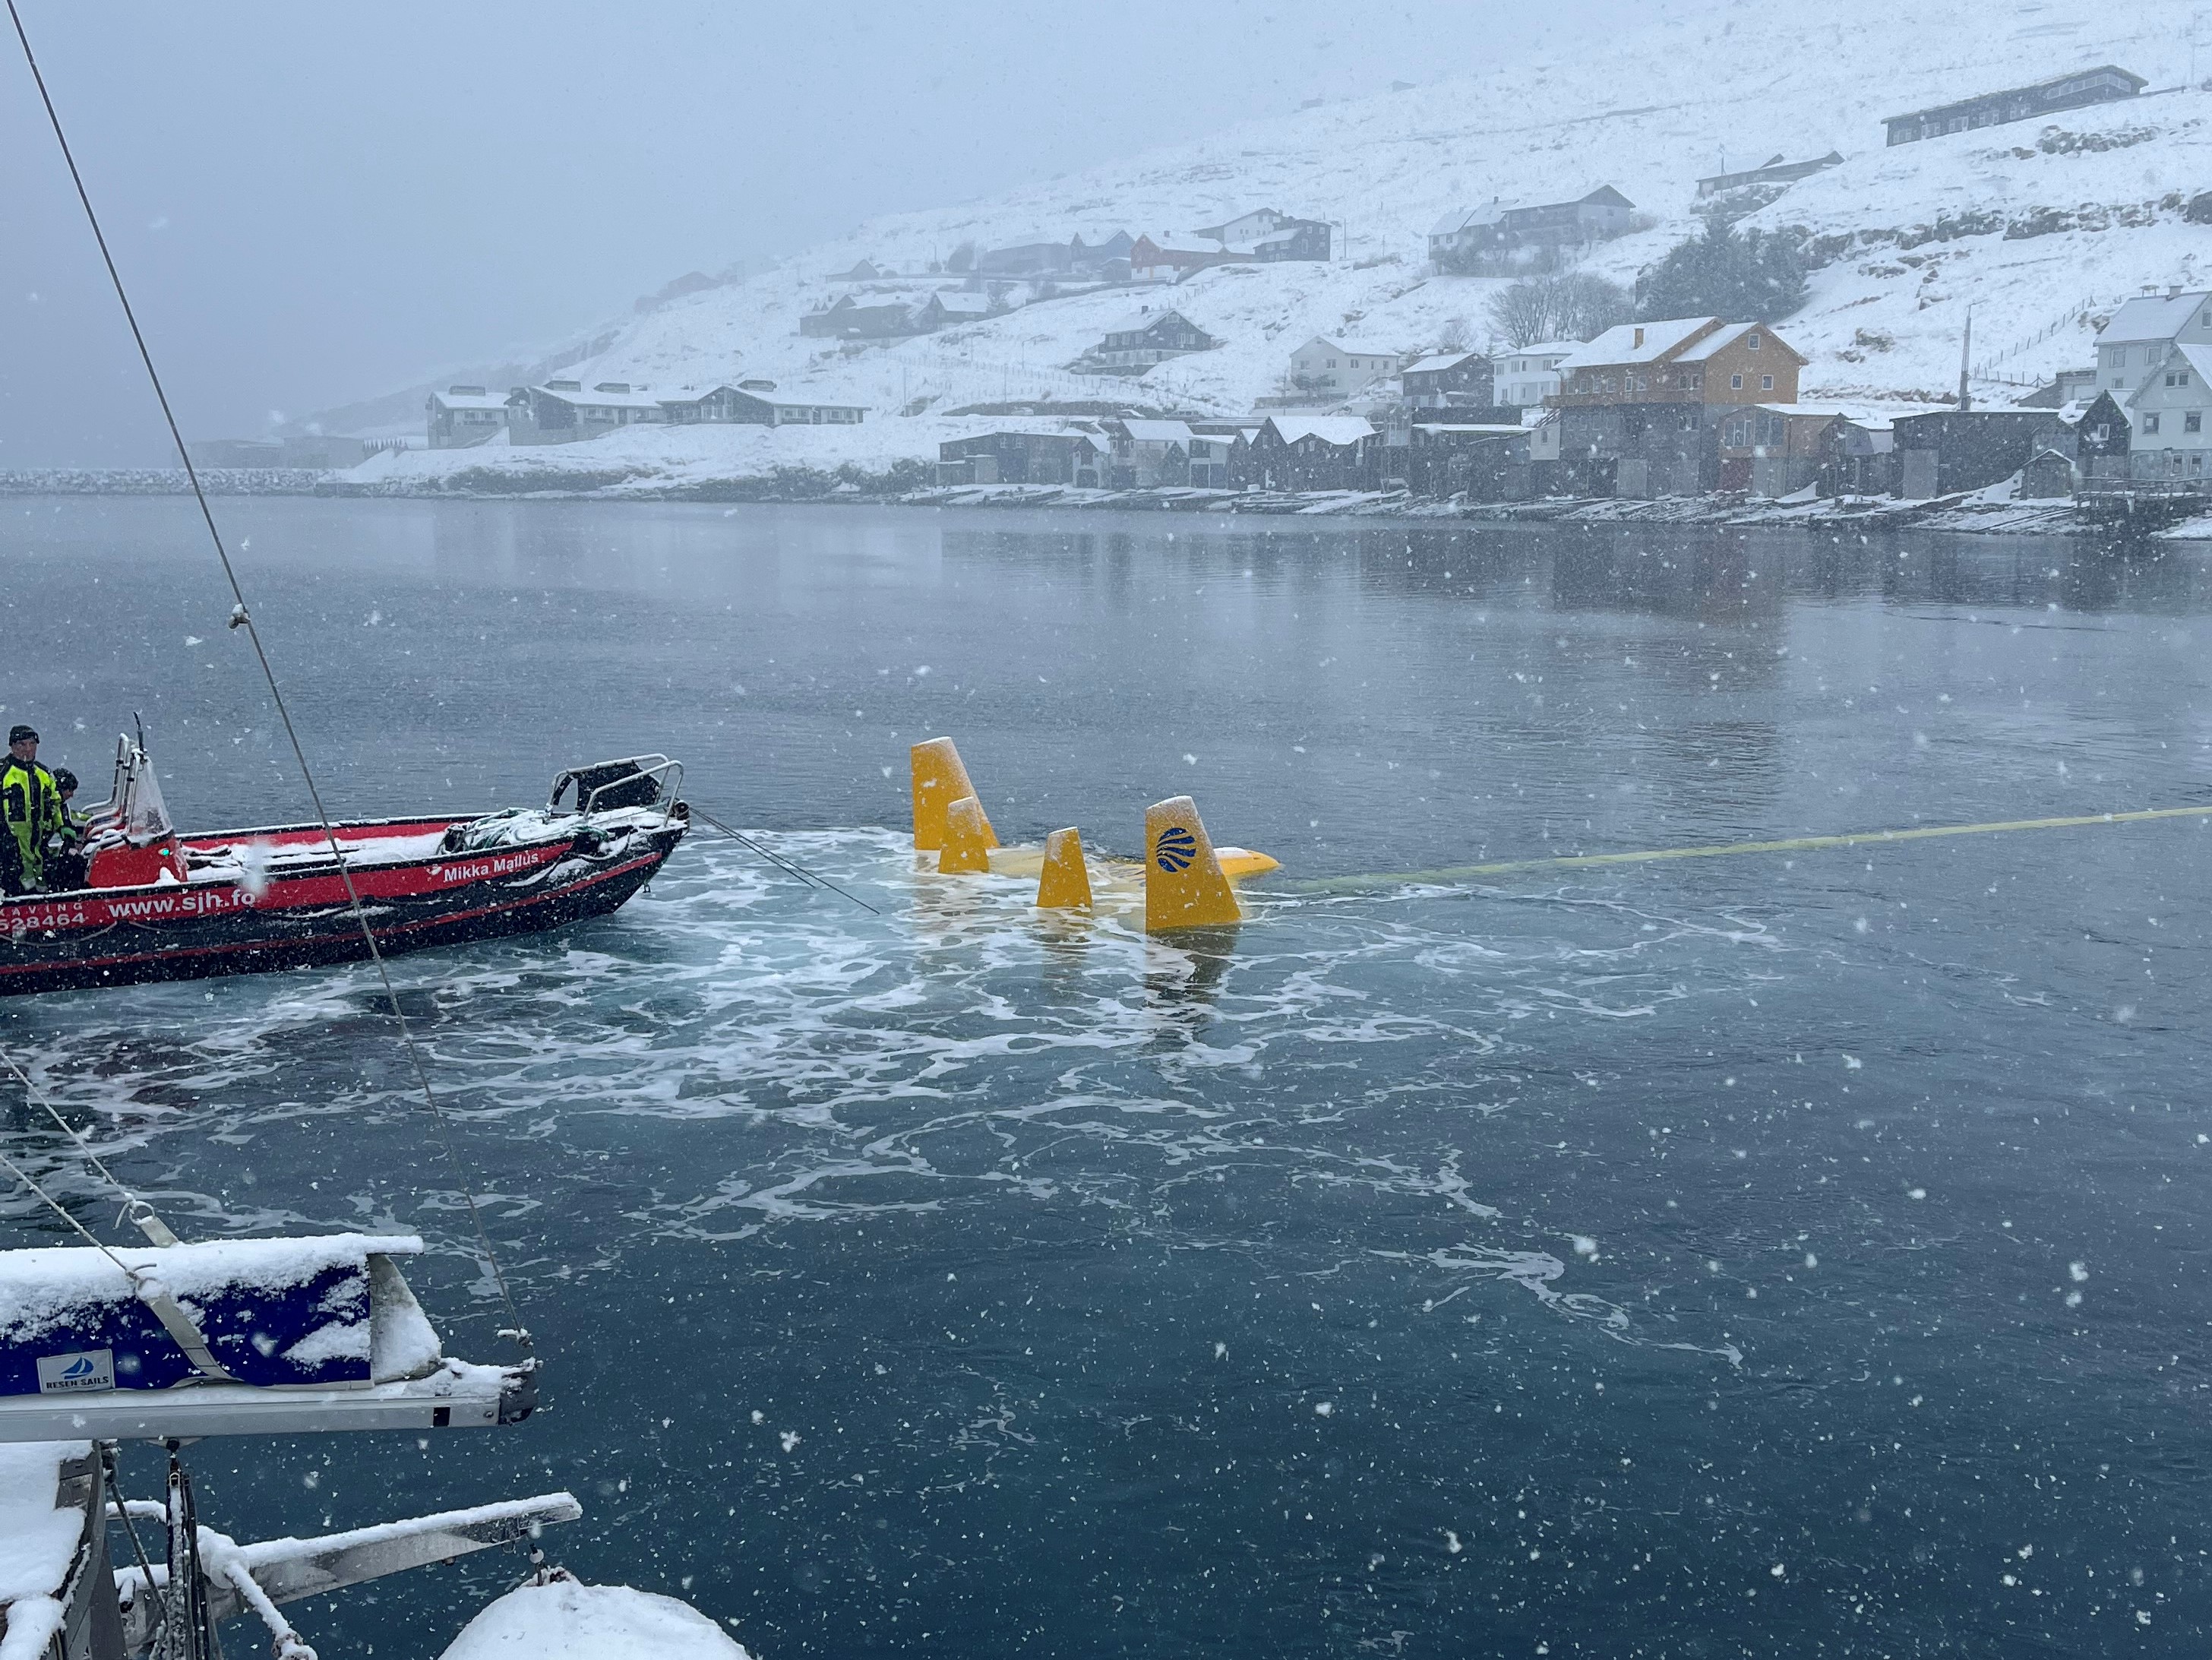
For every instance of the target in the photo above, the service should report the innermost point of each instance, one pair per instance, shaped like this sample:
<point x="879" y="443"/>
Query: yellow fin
<point x="939" y="780"/>
<point x="1184" y="887"/>
<point x="967" y="850"/>
<point x="1237" y="863"/>
<point x="1065" y="884"/>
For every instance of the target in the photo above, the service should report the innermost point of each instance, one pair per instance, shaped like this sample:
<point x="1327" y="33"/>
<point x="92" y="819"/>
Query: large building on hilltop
<point x="1466" y="239"/>
<point x="1138" y="341"/>
<point x="2105" y="84"/>
<point x="1269" y="236"/>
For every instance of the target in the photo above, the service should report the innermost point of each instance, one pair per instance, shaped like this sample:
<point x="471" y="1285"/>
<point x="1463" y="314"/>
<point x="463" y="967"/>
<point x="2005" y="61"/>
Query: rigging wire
<point x="783" y="862"/>
<point x="136" y="1206"/>
<point x="69" y="1216"/>
<point x="241" y="617"/>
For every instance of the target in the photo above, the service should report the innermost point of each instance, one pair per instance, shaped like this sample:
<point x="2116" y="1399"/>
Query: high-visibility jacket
<point x="30" y="811"/>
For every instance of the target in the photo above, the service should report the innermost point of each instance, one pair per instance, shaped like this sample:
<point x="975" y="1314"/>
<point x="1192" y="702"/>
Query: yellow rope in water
<point x="1792" y="844"/>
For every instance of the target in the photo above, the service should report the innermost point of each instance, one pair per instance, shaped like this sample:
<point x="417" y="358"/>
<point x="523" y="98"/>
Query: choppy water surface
<point x="1771" y="1255"/>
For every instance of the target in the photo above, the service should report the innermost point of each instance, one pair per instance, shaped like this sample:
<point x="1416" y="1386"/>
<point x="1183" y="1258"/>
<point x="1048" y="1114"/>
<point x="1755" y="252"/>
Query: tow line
<point x="1793" y="844"/>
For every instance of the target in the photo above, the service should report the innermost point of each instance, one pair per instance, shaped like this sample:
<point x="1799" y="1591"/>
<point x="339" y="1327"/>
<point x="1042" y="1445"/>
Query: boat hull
<point x="302" y="916"/>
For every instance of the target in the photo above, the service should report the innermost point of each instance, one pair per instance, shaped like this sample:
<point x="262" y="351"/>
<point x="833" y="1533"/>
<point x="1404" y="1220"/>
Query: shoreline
<point x="1971" y="513"/>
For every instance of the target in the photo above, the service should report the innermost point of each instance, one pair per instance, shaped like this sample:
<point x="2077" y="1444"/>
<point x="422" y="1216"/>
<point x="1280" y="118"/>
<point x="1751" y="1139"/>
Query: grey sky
<point x="314" y="204"/>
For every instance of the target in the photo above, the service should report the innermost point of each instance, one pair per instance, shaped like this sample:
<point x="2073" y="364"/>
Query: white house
<point x="1338" y="368"/>
<point x="2134" y="343"/>
<point x="1527" y="375"/>
<point x="2167" y="412"/>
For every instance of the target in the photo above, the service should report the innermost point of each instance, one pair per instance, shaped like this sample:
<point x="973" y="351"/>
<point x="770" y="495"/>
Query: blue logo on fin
<point x="1175" y="850"/>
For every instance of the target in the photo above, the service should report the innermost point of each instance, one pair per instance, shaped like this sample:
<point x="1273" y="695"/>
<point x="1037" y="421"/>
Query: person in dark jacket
<point x="30" y="811"/>
<point x="67" y="861"/>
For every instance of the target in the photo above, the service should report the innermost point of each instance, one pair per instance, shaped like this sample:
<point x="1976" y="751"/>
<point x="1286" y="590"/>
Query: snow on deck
<point x="39" y="1286"/>
<point x="37" y="1542"/>
<point x="570" y="1620"/>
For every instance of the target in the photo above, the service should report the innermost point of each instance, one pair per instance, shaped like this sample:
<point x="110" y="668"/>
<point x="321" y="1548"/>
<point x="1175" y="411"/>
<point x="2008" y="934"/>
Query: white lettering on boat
<point x="477" y="870"/>
<point x="204" y="902"/>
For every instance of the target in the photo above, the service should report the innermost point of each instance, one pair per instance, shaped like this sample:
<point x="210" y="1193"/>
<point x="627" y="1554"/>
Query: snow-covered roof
<point x="1157" y="432"/>
<point x="1459" y="219"/>
<point x="784" y="401"/>
<point x="1728" y="334"/>
<point x="1438" y="362"/>
<point x="1701" y="350"/>
<point x="634" y="397"/>
<point x="1544" y="349"/>
<point x="467" y="400"/>
<point x="1469" y="426"/>
<point x="1338" y="430"/>
<point x="1635" y="343"/>
<point x="2199" y="359"/>
<point x="2151" y="317"/>
<point x="977" y="303"/>
<point x="1351" y="348"/>
<point x="2034" y="87"/>
<point x="1859" y="415"/>
<point x="761" y="391"/>
<point x="1137" y="321"/>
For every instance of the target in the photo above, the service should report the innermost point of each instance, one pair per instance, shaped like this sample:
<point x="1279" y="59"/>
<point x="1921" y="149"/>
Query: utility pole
<point x="1966" y="351"/>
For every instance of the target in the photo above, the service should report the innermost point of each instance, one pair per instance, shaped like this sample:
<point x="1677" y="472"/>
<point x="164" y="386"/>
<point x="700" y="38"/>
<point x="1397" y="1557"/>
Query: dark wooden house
<point x="1467" y="235"/>
<point x="1775" y="172"/>
<point x="1267" y="235"/>
<point x="1481" y="462"/>
<point x="1145" y="337"/>
<point x="1313" y="453"/>
<point x="2102" y="438"/>
<point x="2104" y="84"/>
<point x="2049" y="473"/>
<point x="1858" y="457"/>
<point x="848" y="319"/>
<point x="1947" y="451"/>
<point x="1022" y="457"/>
<point x="1449" y="380"/>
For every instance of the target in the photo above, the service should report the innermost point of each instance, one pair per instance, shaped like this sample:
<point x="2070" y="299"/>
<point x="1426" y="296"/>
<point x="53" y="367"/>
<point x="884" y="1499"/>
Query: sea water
<point x="1784" y="1253"/>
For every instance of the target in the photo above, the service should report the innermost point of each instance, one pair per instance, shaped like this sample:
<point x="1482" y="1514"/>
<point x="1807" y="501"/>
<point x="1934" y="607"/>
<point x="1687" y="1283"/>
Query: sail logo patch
<point x="75" y="1374"/>
<point x="1175" y="850"/>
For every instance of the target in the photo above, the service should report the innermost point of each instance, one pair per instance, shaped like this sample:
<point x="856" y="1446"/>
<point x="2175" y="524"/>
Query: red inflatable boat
<point x="158" y="905"/>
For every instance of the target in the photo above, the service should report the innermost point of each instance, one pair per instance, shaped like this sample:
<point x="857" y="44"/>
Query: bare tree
<point x="1576" y="305"/>
<point x="1523" y="311"/>
<point x="1588" y="305"/>
<point x="1456" y="335"/>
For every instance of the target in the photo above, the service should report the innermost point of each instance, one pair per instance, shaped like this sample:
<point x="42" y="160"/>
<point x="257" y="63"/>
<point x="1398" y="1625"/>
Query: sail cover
<point x="274" y="1311"/>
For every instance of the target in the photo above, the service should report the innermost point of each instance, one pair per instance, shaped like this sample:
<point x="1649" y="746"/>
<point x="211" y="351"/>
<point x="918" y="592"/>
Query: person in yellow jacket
<point x="30" y="811"/>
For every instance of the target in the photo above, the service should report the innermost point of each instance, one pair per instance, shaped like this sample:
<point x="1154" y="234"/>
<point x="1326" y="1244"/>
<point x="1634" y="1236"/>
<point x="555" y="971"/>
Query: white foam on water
<point x="957" y="1049"/>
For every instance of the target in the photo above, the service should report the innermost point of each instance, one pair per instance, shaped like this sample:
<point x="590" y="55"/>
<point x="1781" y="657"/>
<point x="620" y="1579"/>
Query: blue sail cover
<point x="273" y="1311"/>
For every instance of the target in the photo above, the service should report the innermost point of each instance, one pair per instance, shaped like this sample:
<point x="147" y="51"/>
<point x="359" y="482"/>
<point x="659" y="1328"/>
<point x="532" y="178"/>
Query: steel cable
<point x="241" y="617"/>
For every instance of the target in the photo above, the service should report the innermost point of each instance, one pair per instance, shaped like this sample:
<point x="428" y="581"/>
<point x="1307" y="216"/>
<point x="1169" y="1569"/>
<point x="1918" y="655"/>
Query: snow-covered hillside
<point x="2025" y="223"/>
